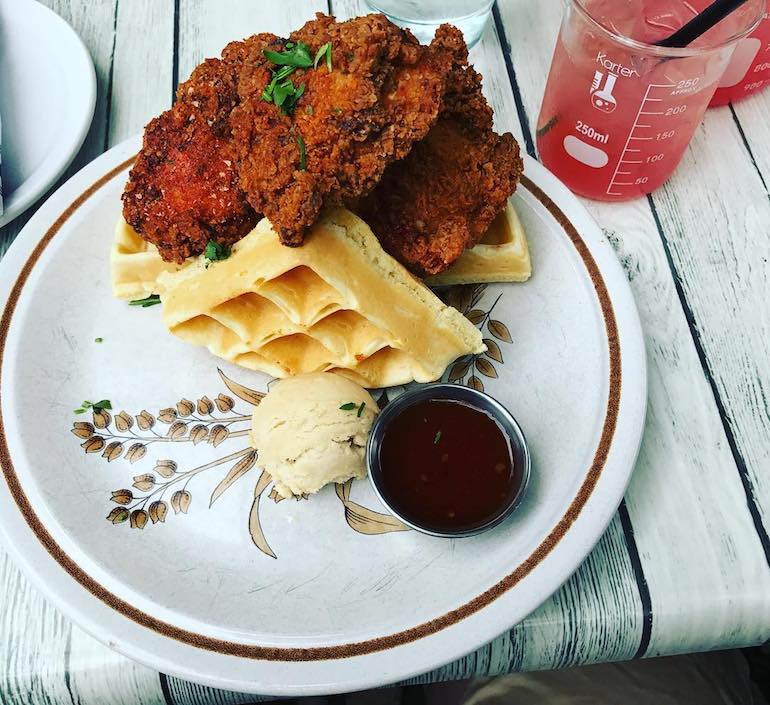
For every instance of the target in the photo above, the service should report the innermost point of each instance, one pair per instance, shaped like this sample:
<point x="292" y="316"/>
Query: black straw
<point x="701" y="24"/>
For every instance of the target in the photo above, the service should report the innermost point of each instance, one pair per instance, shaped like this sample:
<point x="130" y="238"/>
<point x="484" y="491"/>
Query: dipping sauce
<point x="447" y="466"/>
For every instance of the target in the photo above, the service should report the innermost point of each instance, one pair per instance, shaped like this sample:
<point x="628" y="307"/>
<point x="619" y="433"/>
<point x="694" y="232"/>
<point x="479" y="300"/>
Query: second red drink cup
<point x="749" y="69"/>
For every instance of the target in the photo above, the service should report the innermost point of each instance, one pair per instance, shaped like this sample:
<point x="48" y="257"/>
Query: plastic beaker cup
<point x="618" y="111"/>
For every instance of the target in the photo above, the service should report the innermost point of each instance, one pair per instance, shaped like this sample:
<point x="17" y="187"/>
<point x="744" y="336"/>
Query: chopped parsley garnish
<point x="302" y="153"/>
<point x="150" y="300"/>
<point x="283" y="72"/>
<point x="361" y="409"/>
<point x="281" y="89"/>
<point x="309" y="110"/>
<point x="349" y="406"/>
<point x="98" y="340"/>
<point x="278" y="76"/>
<point x="325" y="49"/>
<point x="283" y="92"/>
<point x="215" y="252"/>
<point x="96" y="406"/>
<point x="292" y="99"/>
<point x="296" y="55"/>
<point x="437" y="438"/>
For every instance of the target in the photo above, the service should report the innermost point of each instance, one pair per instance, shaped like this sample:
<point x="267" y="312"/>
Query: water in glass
<point x="424" y="16"/>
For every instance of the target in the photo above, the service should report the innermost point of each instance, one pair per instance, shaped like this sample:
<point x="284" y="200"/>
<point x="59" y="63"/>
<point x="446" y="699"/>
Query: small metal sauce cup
<point x="478" y="400"/>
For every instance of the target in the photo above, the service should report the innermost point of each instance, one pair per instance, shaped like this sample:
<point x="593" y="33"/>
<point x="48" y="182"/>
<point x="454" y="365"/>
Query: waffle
<point x="135" y="264"/>
<point x="501" y="256"/>
<point x="339" y="303"/>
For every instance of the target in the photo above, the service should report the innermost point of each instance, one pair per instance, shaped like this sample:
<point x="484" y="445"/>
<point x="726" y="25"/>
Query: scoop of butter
<point x="311" y="430"/>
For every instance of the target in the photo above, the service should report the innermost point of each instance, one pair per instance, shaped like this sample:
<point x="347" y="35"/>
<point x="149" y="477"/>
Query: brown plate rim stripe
<point x="360" y="648"/>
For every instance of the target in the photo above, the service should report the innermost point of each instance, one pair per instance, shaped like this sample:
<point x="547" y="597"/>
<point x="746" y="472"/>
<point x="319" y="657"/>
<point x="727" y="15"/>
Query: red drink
<point x="618" y="113"/>
<point x="749" y="69"/>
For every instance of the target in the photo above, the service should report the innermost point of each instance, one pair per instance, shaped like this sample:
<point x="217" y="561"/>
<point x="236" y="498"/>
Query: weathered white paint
<point x="94" y="22"/>
<point x="206" y="26"/>
<point x="142" y="71"/>
<point x="721" y="248"/>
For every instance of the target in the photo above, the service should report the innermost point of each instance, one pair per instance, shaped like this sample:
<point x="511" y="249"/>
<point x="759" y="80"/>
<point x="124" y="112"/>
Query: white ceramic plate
<point x="47" y="98"/>
<point x="337" y="610"/>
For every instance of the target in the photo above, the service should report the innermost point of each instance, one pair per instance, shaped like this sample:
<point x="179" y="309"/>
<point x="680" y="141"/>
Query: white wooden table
<point x="684" y="566"/>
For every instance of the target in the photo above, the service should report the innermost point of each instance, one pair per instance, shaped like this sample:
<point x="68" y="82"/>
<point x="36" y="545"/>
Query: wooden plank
<point x="488" y="59"/>
<point x="206" y="26"/>
<point x="716" y="226"/>
<point x="751" y="115"/>
<point x="94" y="21"/>
<point x="746" y="394"/>
<point x="142" y="72"/>
<point x="751" y="120"/>
<point x="46" y="660"/>
<point x="700" y="553"/>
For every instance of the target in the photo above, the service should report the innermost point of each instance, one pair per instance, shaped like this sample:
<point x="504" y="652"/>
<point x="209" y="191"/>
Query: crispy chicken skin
<point x="441" y="199"/>
<point x="412" y="99"/>
<point x="183" y="188"/>
<point x="383" y="94"/>
<point x="438" y="201"/>
<point x="398" y="131"/>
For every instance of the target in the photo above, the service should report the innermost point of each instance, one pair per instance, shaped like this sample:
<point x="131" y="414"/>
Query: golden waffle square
<point x="135" y="264"/>
<point x="501" y="256"/>
<point x="339" y="303"/>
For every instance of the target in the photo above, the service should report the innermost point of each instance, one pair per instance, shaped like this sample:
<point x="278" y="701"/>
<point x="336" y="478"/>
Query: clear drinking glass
<point x="424" y="16"/>
<point x="618" y="111"/>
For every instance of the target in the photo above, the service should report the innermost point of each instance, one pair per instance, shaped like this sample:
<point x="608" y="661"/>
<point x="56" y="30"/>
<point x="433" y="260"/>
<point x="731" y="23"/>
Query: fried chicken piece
<point x="223" y="153"/>
<point x="412" y="98"/>
<point x="385" y="92"/>
<point x="441" y="199"/>
<point x="183" y="188"/>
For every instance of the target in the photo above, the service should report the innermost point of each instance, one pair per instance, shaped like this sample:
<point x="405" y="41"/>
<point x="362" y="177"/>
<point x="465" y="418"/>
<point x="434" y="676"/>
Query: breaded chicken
<point x="183" y="189"/>
<point x="412" y="98"/>
<point x="383" y="93"/>
<point x="441" y="199"/>
<point x="384" y="113"/>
